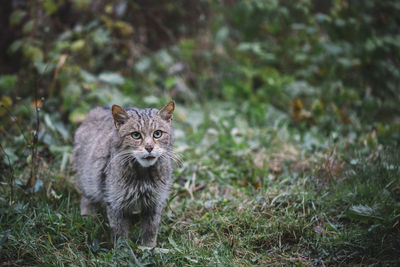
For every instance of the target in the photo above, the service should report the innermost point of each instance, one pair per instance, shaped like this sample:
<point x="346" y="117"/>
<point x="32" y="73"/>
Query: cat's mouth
<point x="149" y="157"/>
<point x="147" y="160"/>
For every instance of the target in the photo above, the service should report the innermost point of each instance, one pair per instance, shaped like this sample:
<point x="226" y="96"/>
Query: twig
<point x="34" y="155"/>
<point x="195" y="189"/>
<point x="60" y="63"/>
<point x="167" y="31"/>
<point x="134" y="257"/>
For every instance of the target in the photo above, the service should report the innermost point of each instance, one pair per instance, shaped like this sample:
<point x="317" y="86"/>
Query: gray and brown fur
<point x="124" y="173"/>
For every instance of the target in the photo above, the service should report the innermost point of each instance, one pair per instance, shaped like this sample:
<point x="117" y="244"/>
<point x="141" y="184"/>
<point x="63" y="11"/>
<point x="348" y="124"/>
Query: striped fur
<point x="122" y="172"/>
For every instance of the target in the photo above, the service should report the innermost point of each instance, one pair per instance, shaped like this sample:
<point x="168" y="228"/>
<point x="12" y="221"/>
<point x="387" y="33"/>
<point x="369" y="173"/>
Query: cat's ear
<point x="120" y="116"/>
<point x="166" y="112"/>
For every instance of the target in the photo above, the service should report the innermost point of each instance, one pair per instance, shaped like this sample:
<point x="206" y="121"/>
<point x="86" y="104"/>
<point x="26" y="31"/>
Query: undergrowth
<point x="231" y="204"/>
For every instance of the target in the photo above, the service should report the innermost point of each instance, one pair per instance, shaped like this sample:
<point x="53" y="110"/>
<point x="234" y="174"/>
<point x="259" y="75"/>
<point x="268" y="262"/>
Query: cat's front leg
<point x="87" y="207"/>
<point x="151" y="217"/>
<point x="119" y="223"/>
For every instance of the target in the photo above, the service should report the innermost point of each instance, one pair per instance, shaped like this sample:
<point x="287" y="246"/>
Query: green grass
<point x="245" y="194"/>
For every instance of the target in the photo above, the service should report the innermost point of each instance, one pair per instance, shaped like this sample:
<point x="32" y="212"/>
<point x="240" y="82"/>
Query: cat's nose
<point x="148" y="147"/>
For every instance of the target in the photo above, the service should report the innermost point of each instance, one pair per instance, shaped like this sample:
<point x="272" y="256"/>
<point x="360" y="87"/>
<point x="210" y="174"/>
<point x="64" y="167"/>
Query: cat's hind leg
<point x="87" y="207"/>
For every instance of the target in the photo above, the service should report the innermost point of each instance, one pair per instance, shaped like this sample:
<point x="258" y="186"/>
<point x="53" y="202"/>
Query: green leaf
<point x="87" y="76"/>
<point x="15" y="46"/>
<point x="50" y="6"/>
<point x="38" y="186"/>
<point x="16" y="17"/>
<point x="62" y="130"/>
<point x="3" y="240"/>
<point x="222" y="34"/>
<point x="71" y="93"/>
<point x="151" y="100"/>
<point x="77" y="115"/>
<point x="43" y="67"/>
<point x="169" y="82"/>
<point x="173" y="243"/>
<point x="111" y="78"/>
<point x="33" y="52"/>
<point x="28" y="27"/>
<point x="100" y="37"/>
<point x="78" y="45"/>
<point x="143" y="64"/>
<point x="81" y="4"/>
<point x="363" y="212"/>
<point x="10" y="152"/>
<point x="8" y="81"/>
<point x="48" y="122"/>
<point x="187" y="47"/>
<point x="320" y="17"/>
<point x="95" y="245"/>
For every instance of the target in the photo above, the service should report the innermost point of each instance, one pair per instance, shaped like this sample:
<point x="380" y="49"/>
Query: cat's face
<point x="146" y="134"/>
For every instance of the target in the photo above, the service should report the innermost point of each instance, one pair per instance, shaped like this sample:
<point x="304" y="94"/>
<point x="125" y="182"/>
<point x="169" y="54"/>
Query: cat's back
<point x="91" y="150"/>
<point x="93" y="137"/>
<point x="98" y="122"/>
<point x="98" y="116"/>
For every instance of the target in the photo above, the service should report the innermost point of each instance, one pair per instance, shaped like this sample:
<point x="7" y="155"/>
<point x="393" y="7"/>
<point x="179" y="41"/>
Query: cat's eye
<point x="157" y="134"/>
<point x="136" y="135"/>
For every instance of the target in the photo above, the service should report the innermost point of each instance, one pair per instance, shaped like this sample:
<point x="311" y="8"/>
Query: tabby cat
<point x="123" y="159"/>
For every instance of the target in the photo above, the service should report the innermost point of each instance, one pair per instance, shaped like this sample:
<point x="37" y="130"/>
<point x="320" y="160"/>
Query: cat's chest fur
<point x="136" y="188"/>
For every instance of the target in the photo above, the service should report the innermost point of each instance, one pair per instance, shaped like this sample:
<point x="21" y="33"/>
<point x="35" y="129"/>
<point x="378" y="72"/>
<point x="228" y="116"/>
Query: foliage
<point x="287" y="122"/>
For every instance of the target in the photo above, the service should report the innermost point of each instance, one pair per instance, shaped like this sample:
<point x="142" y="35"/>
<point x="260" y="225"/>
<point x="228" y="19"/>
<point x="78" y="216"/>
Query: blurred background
<point x="260" y="86"/>
<point x="333" y="64"/>
<point x="330" y="64"/>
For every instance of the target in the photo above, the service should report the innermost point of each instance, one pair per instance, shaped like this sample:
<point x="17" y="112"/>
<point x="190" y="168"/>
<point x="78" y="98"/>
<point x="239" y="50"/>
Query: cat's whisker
<point x="175" y="155"/>
<point x="178" y="157"/>
<point x="127" y="158"/>
<point x="122" y="153"/>
<point x="178" y="161"/>
<point x="120" y="156"/>
<point x="123" y="161"/>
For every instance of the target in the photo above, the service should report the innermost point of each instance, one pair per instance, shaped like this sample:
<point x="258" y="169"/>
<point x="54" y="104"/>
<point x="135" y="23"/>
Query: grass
<point x="245" y="194"/>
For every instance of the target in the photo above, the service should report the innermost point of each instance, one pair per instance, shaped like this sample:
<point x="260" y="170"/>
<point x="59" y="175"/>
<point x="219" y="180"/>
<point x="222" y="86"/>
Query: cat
<point x="123" y="159"/>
